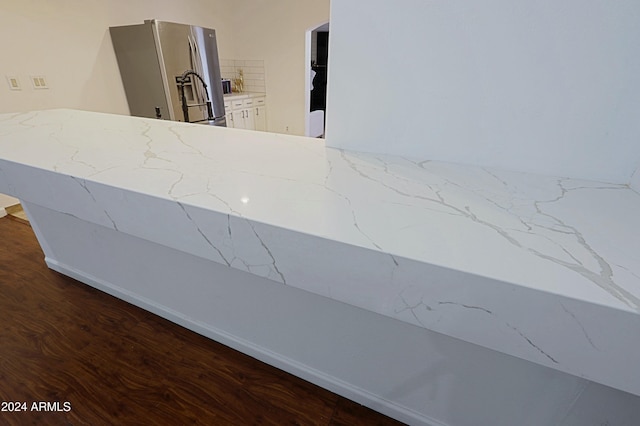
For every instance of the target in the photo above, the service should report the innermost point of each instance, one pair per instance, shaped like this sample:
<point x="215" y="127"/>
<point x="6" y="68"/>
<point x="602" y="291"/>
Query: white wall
<point x="275" y="31"/>
<point x="68" y="42"/>
<point x="635" y="180"/>
<point x="545" y="86"/>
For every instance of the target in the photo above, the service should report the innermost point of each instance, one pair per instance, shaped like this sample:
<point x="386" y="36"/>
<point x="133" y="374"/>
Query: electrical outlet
<point x="14" y="82"/>
<point x="286" y="129"/>
<point x="39" y="82"/>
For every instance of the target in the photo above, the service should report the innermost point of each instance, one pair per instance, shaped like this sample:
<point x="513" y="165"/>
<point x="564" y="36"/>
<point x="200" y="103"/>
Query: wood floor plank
<point x="62" y="341"/>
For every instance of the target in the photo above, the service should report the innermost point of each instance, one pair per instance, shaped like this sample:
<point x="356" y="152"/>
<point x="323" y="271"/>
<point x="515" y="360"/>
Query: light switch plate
<point x="14" y="82"/>
<point x="39" y="82"/>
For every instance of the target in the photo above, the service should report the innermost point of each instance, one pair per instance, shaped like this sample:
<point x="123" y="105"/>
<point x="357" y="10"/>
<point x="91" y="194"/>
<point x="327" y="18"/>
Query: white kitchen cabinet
<point x="228" y="113"/>
<point x="237" y="113"/>
<point x="260" y="108"/>
<point x="236" y="120"/>
<point x="246" y="112"/>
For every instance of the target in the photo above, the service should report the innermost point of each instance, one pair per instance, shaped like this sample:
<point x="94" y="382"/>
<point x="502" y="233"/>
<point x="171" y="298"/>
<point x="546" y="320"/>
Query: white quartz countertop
<point x="243" y="95"/>
<point x="543" y="268"/>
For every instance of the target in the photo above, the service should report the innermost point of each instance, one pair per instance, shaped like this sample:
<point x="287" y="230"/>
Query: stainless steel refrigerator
<point x="170" y="71"/>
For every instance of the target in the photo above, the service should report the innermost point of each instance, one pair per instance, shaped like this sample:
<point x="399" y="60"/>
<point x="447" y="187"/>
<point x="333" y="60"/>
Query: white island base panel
<point x="404" y="371"/>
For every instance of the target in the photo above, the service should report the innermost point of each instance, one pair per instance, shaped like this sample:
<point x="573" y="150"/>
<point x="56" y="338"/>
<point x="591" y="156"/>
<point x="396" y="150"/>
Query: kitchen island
<point x="407" y="286"/>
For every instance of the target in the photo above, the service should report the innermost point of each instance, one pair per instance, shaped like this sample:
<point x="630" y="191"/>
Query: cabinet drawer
<point x="248" y="103"/>
<point x="237" y="104"/>
<point x="227" y="105"/>
<point x="259" y="101"/>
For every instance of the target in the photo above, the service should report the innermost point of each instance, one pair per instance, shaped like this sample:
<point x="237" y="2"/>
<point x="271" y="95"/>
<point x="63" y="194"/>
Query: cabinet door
<point x="260" y="111"/>
<point x="237" y="118"/>
<point x="249" y="119"/>
<point x="248" y="114"/>
<point x="228" y="115"/>
<point x="261" y="118"/>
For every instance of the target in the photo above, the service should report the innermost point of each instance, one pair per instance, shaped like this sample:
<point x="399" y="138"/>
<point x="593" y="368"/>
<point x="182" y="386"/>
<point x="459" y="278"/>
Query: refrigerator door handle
<point x="197" y="67"/>
<point x="192" y="59"/>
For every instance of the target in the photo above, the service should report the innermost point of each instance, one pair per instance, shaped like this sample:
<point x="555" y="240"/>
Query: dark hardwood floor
<point x="62" y="341"/>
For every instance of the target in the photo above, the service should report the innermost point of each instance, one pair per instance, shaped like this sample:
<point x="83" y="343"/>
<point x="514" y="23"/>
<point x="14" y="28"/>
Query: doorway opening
<point x="316" y="70"/>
